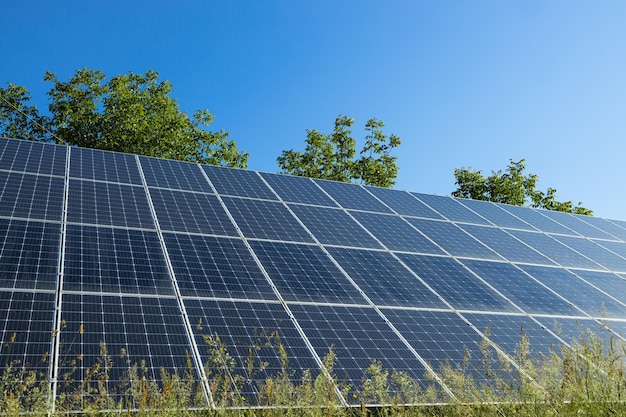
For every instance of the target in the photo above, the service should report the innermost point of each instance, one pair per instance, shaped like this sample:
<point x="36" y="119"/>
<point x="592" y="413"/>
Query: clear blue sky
<point x="463" y="83"/>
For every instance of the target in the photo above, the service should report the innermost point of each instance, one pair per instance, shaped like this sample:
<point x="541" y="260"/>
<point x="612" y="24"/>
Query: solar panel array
<point x="153" y="259"/>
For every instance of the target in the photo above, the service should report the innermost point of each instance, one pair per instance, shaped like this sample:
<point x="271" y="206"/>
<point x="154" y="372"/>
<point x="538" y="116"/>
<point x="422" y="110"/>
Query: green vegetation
<point x="130" y="113"/>
<point x="333" y="156"/>
<point x="585" y="378"/>
<point x="512" y="186"/>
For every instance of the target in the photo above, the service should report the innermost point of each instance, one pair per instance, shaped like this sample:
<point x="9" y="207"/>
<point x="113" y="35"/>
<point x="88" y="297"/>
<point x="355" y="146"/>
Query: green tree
<point x="511" y="186"/>
<point x="333" y="156"/>
<point x="131" y="113"/>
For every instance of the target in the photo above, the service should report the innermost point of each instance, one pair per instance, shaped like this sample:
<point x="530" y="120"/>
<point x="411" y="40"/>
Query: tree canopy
<point x="512" y="186"/>
<point x="130" y="113"/>
<point x="333" y="156"/>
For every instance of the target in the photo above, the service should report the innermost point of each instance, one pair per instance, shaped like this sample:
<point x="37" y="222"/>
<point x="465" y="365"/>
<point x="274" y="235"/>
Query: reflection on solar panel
<point x="161" y="262"/>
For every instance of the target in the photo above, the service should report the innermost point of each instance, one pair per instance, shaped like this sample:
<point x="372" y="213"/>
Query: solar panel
<point x="172" y="265"/>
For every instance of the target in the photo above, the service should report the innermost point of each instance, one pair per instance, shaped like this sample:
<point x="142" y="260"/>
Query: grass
<point x="585" y="378"/>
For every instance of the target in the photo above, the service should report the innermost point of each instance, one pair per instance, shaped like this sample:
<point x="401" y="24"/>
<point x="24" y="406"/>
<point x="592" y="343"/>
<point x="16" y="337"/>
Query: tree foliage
<point x="513" y="186"/>
<point x="333" y="156"/>
<point x="130" y="113"/>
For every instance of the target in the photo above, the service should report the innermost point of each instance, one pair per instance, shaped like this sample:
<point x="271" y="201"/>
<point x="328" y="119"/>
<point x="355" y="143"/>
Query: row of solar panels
<point x="150" y="256"/>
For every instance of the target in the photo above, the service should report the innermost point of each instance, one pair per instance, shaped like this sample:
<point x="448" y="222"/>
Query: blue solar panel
<point x="25" y="336"/>
<point x="236" y="182"/>
<point x="404" y="203"/>
<point x="112" y="260"/>
<point x="396" y="234"/>
<point x="112" y="204"/>
<point x="451" y="209"/>
<point x="538" y="220"/>
<point x="305" y="273"/>
<point x="31" y="196"/>
<point x="506" y="245"/>
<point x="38" y="158"/>
<point x="253" y="334"/>
<point x="554" y="250"/>
<point x="208" y="266"/>
<point x="455" y="283"/>
<point x="495" y="214"/>
<point x="152" y="261"/>
<point x="358" y="336"/>
<point x="134" y="330"/>
<point x="452" y="239"/>
<point x="29" y="254"/>
<point x="384" y="279"/>
<point x="298" y="190"/>
<point x="93" y="164"/>
<point x="352" y="196"/>
<point x="174" y="174"/>
<point x="518" y="287"/>
<point x="266" y="220"/>
<point x="191" y="212"/>
<point x="595" y="252"/>
<point x="581" y="294"/>
<point x="333" y="226"/>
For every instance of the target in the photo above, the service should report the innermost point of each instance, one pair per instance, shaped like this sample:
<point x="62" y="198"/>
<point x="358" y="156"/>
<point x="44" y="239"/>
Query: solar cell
<point x="143" y="331"/>
<point x="305" y="273"/>
<point x="175" y="175"/>
<point x="455" y="283"/>
<point x="358" y="336"/>
<point x="111" y="204"/>
<point x="265" y="220"/>
<point x="441" y="338"/>
<point x="384" y="279"/>
<point x="554" y="250"/>
<point x="608" y="282"/>
<point x="112" y="260"/>
<point x="333" y="226"/>
<point x="518" y="287"/>
<point x="618" y="248"/>
<point x="253" y="334"/>
<point x="495" y="214"/>
<point x="396" y="234"/>
<point x="208" y="266"/>
<point x="28" y="156"/>
<point x="607" y="226"/>
<point x="31" y="196"/>
<point x="595" y="252"/>
<point x="404" y="203"/>
<point x="537" y="220"/>
<point x="94" y="164"/>
<point x="510" y="331"/>
<point x="25" y="335"/>
<point x="451" y="209"/>
<point x="584" y="296"/>
<point x="191" y="212"/>
<point x="29" y="254"/>
<point x="452" y="239"/>
<point x="575" y="223"/>
<point x="236" y="182"/>
<point x="506" y="245"/>
<point x="297" y="190"/>
<point x="352" y="196"/>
